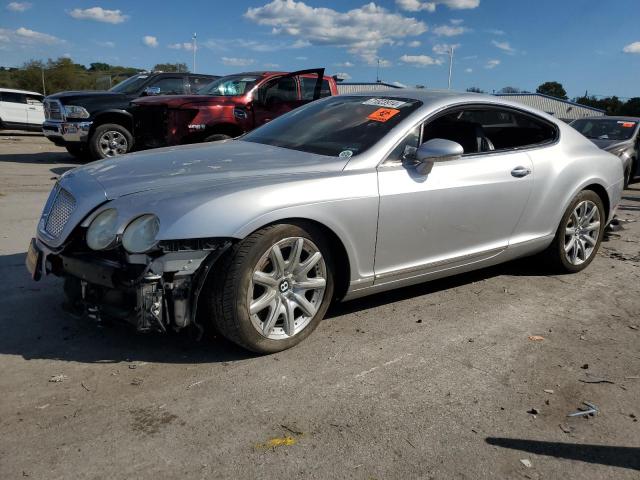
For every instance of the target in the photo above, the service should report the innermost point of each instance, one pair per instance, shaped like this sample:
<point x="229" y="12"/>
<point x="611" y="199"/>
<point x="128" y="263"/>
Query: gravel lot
<point x="434" y="381"/>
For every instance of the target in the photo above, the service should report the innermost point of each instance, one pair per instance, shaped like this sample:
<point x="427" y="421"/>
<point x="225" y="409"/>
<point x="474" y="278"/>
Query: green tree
<point x="631" y="107"/>
<point x="510" y="90"/>
<point x="475" y="90"/>
<point x="553" y="89"/>
<point x="99" y="67"/>
<point x="171" y="67"/>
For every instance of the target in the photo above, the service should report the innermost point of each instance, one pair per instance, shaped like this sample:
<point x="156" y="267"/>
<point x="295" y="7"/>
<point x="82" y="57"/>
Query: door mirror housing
<point x="151" y="91"/>
<point x="436" y="150"/>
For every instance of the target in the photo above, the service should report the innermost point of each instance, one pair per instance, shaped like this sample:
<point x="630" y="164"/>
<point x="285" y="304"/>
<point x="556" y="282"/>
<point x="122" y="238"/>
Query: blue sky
<point x="589" y="45"/>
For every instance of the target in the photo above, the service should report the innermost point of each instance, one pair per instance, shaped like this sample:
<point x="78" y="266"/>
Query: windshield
<point x="130" y="85"/>
<point x="605" y="129"/>
<point x="229" y="86"/>
<point x="338" y="126"/>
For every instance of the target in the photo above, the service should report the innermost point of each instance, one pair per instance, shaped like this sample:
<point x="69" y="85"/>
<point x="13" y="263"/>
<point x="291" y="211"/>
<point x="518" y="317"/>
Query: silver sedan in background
<point x="344" y="197"/>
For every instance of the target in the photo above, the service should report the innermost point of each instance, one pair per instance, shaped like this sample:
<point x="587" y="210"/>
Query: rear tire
<point x="579" y="234"/>
<point x="627" y="176"/>
<point x="266" y="301"/>
<point x="110" y="140"/>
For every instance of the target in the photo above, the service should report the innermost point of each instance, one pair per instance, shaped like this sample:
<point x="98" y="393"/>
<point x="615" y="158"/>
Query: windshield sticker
<point x="345" y="154"/>
<point x="627" y="124"/>
<point x="384" y="102"/>
<point x="383" y="114"/>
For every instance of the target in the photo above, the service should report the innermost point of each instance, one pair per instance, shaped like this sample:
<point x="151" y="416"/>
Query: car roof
<point x="13" y="90"/>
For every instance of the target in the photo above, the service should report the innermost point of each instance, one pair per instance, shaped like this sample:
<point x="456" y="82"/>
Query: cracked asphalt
<point x="443" y="380"/>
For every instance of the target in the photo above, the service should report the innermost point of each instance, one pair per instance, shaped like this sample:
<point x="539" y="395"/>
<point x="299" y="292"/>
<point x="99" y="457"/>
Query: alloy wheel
<point x="582" y="232"/>
<point x="287" y="288"/>
<point x="113" y="143"/>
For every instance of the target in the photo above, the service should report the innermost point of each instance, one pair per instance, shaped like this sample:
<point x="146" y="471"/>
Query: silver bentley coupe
<point x="347" y="196"/>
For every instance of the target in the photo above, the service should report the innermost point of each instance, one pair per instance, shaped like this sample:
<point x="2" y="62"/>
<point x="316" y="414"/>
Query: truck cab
<point x="97" y="124"/>
<point x="226" y="108"/>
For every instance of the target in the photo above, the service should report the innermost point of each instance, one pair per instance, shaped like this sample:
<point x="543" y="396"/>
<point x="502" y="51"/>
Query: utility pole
<point x="378" y="72"/>
<point x="195" y="47"/>
<point x="450" y="65"/>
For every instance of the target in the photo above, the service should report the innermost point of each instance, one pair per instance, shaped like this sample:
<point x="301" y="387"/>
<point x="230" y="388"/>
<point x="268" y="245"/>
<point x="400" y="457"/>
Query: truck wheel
<point x="272" y="289"/>
<point x="110" y="140"/>
<point x="77" y="151"/>
<point x="217" y="137"/>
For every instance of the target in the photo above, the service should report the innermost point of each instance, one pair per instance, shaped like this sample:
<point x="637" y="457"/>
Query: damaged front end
<point x="155" y="291"/>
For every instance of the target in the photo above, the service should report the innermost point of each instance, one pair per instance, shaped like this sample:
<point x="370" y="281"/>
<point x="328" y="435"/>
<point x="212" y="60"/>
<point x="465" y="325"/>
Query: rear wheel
<point x="579" y="235"/>
<point x="627" y="176"/>
<point x="273" y="289"/>
<point x="110" y="140"/>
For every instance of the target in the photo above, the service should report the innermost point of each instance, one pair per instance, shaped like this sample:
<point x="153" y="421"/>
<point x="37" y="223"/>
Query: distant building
<point x="357" y="87"/>
<point x="562" y="109"/>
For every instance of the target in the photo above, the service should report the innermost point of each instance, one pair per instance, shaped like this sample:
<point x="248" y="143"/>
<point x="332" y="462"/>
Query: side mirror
<point x="151" y="91"/>
<point x="436" y="150"/>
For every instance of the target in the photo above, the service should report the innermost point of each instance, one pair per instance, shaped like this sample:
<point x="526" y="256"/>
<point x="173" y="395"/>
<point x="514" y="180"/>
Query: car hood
<point x="176" y="101"/>
<point x="79" y="96"/>
<point x="208" y="165"/>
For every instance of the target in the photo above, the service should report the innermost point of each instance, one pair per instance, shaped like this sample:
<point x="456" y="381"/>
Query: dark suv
<point x="98" y="124"/>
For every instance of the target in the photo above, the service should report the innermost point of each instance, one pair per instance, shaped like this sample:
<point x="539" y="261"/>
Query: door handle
<point x="520" y="172"/>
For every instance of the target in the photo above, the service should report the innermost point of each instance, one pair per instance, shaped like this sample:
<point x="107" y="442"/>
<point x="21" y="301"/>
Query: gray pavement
<point x="434" y="381"/>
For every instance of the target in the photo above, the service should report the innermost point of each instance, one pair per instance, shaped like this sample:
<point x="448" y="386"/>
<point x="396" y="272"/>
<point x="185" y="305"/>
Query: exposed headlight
<point x="73" y="111"/>
<point x="140" y="235"/>
<point x="103" y="229"/>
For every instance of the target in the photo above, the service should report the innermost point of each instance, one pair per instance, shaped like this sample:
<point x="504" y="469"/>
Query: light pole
<point x="450" y="64"/>
<point x="195" y="47"/>
<point x="44" y="89"/>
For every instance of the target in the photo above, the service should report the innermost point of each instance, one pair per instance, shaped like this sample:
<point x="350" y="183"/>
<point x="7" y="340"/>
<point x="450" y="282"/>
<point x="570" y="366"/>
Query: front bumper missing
<point x="150" y="294"/>
<point x="66" y="132"/>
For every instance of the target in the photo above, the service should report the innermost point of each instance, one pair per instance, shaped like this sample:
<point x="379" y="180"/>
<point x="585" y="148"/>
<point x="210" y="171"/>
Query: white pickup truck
<point x="21" y="110"/>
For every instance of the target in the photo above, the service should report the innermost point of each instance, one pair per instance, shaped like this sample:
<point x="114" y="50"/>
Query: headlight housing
<point x="74" y="111"/>
<point x="140" y="235"/>
<point x="102" y="232"/>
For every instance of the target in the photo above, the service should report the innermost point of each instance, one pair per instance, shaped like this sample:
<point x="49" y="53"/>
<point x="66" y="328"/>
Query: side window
<point x="281" y="90"/>
<point x="308" y="85"/>
<point x="488" y="129"/>
<point x="197" y="83"/>
<point x="169" y="85"/>
<point x="34" y="99"/>
<point x="13" y="97"/>
<point x="407" y="147"/>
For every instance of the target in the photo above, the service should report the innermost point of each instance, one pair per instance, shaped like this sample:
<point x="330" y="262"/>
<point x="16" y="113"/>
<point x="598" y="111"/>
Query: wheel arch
<point x="119" y="117"/>
<point x="230" y="129"/>
<point x="599" y="190"/>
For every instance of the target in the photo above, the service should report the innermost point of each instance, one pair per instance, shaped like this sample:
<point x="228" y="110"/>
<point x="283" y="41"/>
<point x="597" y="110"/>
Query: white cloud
<point x="361" y="30"/>
<point x="107" y="44"/>
<point x="188" y="46"/>
<point x="414" y="44"/>
<point x="420" y="60"/>
<point x="235" y="44"/>
<point x="99" y="14"/>
<point x="468" y="70"/>
<point x="449" y="30"/>
<point x="456" y="21"/>
<point x="430" y="6"/>
<point x="344" y="64"/>
<point x="343" y="75"/>
<point x="271" y="65"/>
<point x="25" y="36"/>
<point x="150" y="41"/>
<point x="237" y="62"/>
<point x="444" y="48"/>
<point x="494" y="31"/>
<point x="632" y="48"/>
<point x="18" y="6"/>
<point x="492" y="64"/>
<point x="504" y="46"/>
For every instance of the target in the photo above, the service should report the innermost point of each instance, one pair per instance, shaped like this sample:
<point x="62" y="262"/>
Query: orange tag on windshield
<point x="383" y="114"/>
<point x="628" y="124"/>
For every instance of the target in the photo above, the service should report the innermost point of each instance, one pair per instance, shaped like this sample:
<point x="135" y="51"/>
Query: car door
<point x="169" y="85"/>
<point x="463" y="211"/>
<point x="13" y="108"/>
<point x="35" y="110"/>
<point x="281" y="94"/>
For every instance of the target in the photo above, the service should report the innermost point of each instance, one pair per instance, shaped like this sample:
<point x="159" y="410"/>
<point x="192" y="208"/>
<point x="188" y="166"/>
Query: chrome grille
<point x="61" y="209"/>
<point x="53" y="110"/>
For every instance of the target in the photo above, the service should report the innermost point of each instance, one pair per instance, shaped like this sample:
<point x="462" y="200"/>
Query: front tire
<point x="579" y="234"/>
<point x="272" y="289"/>
<point x="110" y="140"/>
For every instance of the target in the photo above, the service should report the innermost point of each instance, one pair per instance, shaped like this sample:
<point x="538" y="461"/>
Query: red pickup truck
<point x="226" y="108"/>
